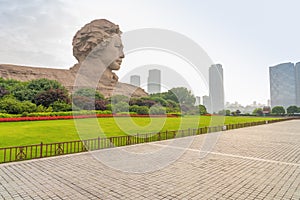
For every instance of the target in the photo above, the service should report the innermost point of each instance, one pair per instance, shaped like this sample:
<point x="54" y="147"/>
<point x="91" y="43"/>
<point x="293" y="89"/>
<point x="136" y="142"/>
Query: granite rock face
<point x="98" y="49"/>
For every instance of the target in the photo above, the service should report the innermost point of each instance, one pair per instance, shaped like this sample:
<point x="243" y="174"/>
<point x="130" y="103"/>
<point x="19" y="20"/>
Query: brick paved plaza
<point x="261" y="162"/>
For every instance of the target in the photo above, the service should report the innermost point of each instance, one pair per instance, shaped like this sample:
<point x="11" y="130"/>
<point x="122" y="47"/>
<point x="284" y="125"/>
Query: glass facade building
<point x="283" y="81"/>
<point x="216" y="88"/>
<point x="154" y="81"/>
<point x="135" y="80"/>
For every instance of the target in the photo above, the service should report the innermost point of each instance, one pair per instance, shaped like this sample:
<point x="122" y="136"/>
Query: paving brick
<point x="261" y="162"/>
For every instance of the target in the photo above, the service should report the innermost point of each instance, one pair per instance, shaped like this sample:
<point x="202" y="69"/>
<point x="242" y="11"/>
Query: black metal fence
<point x="18" y="153"/>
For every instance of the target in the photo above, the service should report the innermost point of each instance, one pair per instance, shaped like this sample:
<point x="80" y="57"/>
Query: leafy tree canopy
<point x="292" y="109"/>
<point x="278" y="110"/>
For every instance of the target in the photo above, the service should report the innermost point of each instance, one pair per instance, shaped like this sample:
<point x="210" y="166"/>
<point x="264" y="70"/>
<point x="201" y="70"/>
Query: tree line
<point x="44" y="95"/>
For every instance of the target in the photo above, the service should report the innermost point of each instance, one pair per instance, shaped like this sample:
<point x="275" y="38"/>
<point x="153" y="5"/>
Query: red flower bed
<point x="17" y="119"/>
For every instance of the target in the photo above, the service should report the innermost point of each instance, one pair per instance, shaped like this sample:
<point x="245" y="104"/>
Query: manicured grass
<point x="34" y="132"/>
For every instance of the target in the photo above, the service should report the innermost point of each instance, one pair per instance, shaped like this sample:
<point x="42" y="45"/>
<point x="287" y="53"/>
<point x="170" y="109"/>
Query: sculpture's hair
<point x="92" y="34"/>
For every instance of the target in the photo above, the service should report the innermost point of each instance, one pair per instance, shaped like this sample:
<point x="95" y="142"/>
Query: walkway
<point x="261" y="162"/>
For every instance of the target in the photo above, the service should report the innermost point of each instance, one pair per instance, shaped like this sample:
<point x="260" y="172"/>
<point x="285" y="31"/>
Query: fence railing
<point x="18" y="153"/>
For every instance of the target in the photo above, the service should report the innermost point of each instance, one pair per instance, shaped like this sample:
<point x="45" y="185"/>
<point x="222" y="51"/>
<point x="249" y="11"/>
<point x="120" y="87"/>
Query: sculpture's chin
<point x="114" y="66"/>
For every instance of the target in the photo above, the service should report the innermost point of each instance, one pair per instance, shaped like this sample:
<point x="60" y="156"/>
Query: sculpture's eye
<point x="119" y="46"/>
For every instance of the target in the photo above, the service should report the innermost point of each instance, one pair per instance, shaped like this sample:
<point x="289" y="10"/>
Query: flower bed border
<point x="18" y="119"/>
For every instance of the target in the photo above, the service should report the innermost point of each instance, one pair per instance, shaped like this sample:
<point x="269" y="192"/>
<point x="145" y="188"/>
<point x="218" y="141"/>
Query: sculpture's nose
<point x="122" y="54"/>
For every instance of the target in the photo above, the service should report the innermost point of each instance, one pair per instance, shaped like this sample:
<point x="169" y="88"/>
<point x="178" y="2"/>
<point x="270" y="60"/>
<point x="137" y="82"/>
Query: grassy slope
<point x="24" y="133"/>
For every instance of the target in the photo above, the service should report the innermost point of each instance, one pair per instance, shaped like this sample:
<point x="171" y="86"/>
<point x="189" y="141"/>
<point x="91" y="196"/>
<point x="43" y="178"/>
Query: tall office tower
<point x="297" y="77"/>
<point x="268" y="102"/>
<point x="206" y="103"/>
<point x="283" y="85"/>
<point x="198" y="101"/>
<point x="154" y="81"/>
<point x="216" y="88"/>
<point x="135" y="80"/>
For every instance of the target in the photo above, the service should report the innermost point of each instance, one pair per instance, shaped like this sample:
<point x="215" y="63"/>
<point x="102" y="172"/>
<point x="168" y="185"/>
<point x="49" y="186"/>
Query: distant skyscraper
<point x="216" y="88"/>
<point x="198" y="101"/>
<point x="206" y="103"/>
<point x="154" y="81"/>
<point x="297" y="74"/>
<point x="135" y="80"/>
<point x="283" y="84"/>
<point x="268" y="102"/>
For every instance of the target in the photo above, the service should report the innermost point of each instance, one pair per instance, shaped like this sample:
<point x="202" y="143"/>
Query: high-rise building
<point x="198" y="101"/>
<point x="154" y="81"/>
<point x="297" y="77"/>
<point x="283" y="81"/>
<point x="135" y="80"/>
<point x="206" y="103"/>
<point x="216" y="88"/>
<point x="268" y="102"/>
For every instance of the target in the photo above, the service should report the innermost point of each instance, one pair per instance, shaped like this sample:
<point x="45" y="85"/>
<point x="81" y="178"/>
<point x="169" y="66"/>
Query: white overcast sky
<point x="246" y="37"/>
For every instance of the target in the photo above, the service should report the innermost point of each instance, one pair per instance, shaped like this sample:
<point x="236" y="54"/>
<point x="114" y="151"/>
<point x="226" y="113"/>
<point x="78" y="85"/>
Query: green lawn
<point x="25" y="133"/>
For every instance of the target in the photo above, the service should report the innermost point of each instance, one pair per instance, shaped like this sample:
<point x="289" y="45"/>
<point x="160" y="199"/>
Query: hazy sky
<point x="246" y="37"/>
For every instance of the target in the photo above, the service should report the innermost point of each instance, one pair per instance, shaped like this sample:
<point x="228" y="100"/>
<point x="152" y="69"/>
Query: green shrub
<point x="120" y="107"/>
<point x="5" y="115"/>
<point x="127" y="113"/>
<point x="28" y="107"/>
<point x="133" y="108"/>
<point x="157" y="110"/>
<point x="89" y="93"/>
<point x="160" y="100"/>
<point x="61" y="106"/>
<point x="11" y="105"/>
<point x="41" y="108"/>
<point x="24" y="114"/>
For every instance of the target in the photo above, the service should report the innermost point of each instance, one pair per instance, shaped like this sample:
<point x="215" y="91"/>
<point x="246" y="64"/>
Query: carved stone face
<point x="100" y="38"/>
<point x="117" y="44"/>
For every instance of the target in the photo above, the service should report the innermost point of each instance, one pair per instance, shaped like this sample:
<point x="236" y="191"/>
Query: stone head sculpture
<point x="93" y="38"/>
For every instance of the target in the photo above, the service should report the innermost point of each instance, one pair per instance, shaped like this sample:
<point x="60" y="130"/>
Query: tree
<point x="144" y="101"/>
<point x="278" y="110"/>
<point x="8" y="84"/>
<point x="181" y="95"/>
<point x="292" y="109"/>
<point x="44" y="84"/>
<point x="159" y="100"/>
<point x="90" y="93"/>
<point x="224" y="112"/>
<point x="258" y="112"/>
<point x="100" y="105"/>
<point x="157" y="110"/>
<point x="266" y="110"/>
<point x="227" y="112"/>
<point x="134" y="108"/>
<point x="50" y="96"/>
<point x="3" y="92"/>
<point x="202" y="110"/>
<point x="236" y="113"/>
<point x="83" y="103"/>
<point x="27" y="91"/>
<point x="118" y="98"/>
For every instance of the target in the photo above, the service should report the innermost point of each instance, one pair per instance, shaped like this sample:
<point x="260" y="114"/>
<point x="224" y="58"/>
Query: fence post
<point x="110" y="142"/>
<point x="41" y="150"/>
<point x="98" y="142"/>
<point x="128" y="142"/>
